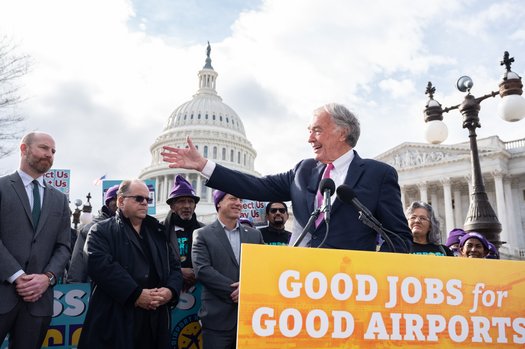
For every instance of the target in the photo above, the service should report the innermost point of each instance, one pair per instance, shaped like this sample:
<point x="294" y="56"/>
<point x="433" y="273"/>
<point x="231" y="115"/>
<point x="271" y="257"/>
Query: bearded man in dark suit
<point x="34" y="244"/>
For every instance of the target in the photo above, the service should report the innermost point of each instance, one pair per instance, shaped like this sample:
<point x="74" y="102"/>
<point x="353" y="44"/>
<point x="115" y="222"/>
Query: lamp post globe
<point x="436" y="132"/>
<point x="512" y="108"/>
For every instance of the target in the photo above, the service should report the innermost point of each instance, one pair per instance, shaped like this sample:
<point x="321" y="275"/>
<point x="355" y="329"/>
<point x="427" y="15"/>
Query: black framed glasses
<point x="139" y="198"/>
<point x="419" y="218"/>
<point x="281" y="210"/>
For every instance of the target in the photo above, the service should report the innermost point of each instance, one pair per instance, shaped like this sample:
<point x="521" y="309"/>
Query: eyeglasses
<point x="139" y="198"/>
<point x="281" y="210"/>
<point x="419" y="218"/>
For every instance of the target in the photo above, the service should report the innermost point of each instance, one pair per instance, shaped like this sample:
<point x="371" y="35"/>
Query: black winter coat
<point x="116" y="266"/>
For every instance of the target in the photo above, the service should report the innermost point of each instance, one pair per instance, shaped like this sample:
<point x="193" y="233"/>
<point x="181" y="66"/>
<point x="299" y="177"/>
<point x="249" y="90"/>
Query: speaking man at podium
<point x="333" y="133"/>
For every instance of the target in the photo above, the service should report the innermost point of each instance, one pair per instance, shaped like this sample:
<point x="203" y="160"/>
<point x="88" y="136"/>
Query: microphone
<point x="327" y="188"/>
<point x="346" y="194"/>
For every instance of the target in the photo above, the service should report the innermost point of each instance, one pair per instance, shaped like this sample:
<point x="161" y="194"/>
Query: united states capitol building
<point x="438" y="174"/>
<point x="215" y="129"/>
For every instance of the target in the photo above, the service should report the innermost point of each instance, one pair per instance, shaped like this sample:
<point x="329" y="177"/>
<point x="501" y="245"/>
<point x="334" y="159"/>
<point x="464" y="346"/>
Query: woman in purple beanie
<point x="473" y="245"/>
<point x="453" y="240"/>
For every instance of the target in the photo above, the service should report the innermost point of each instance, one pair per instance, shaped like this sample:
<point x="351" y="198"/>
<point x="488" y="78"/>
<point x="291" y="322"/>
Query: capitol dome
<point x="217" y="132"/>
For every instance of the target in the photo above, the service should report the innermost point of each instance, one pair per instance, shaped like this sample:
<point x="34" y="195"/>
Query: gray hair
<point x="344" y="119"/>
<point x="434" y="234"/>
<point x="125" y="185"/>
<point x="123" y="188"/>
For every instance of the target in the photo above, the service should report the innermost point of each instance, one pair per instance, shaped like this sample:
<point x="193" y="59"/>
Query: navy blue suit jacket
<point x="374" y="183"/>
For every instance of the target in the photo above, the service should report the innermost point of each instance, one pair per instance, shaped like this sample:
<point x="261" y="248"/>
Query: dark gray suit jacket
<point x="216" y="268"/>
<point x="35" y="252"/>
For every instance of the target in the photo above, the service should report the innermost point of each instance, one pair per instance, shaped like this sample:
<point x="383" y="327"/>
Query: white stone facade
<point x="441" y="175"/>
<point x="215" y="129"/>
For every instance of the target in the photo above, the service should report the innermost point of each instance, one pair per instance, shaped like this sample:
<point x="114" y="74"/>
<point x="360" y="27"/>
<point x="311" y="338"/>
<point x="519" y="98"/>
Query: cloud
<point x="485" y="19"/>
<point x="182" y="22"/>
<point x="397" y="88"/>
<point x="108" y="74"/>
<point x="518" y="35"/>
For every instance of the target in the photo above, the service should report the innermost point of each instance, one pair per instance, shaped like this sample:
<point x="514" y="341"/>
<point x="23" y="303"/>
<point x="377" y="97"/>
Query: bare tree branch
<point x="13" y="66"/>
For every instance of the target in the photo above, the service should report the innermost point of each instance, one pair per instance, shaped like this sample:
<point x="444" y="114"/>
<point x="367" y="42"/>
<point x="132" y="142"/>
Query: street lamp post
<point x="86" y="216"/>
<point x="480" y="217"/>
<point x="76" y="213"/>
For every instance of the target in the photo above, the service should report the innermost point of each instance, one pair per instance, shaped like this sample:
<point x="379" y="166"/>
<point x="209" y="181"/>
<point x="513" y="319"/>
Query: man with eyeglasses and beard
<point x="274" y="233"/>
<point x="135" y="276"/>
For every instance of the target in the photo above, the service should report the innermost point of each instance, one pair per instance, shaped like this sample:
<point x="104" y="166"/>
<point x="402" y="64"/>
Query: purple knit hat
<point x="493" y="252"/>
<point x="217" y="197"/>
<point x="454" y="236"/>
<point x="246" y="221"/>
<point x="182" y="188"/>
<point x="474" y="235"/>
<point x="111" y="194"/>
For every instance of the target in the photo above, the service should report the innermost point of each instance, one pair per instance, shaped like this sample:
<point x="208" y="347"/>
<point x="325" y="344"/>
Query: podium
<point x="325" y="298"/>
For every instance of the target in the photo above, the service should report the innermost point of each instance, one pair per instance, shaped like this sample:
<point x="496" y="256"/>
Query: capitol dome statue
<point x="217" y="132"/>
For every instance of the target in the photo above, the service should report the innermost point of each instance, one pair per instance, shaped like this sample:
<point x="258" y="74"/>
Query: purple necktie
<point x="326" y="174"/>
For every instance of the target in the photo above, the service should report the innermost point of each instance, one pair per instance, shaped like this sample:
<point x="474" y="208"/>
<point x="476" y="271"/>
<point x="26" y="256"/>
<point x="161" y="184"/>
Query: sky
<point x="106" y="75"/>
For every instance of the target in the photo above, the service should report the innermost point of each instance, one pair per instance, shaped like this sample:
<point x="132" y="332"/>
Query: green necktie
<point x="36" y="204"/>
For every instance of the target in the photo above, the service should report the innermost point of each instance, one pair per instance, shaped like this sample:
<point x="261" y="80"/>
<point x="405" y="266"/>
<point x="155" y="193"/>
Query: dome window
<point x="185" y="117"/>
<point x="220" y="118"/>
<point x="199" y="116"/>
<point x="213" y="117"/>
<point x="227" y="121"/>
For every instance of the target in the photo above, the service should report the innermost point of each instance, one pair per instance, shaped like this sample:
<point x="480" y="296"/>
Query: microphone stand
<point x="327" y="222"/>
<point x="311" y="221"/>
<point x="378" y="228"/>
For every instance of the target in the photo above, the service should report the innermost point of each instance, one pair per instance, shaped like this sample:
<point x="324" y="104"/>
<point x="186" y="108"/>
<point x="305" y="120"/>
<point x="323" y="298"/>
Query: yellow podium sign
<point x="321" y="298"/>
